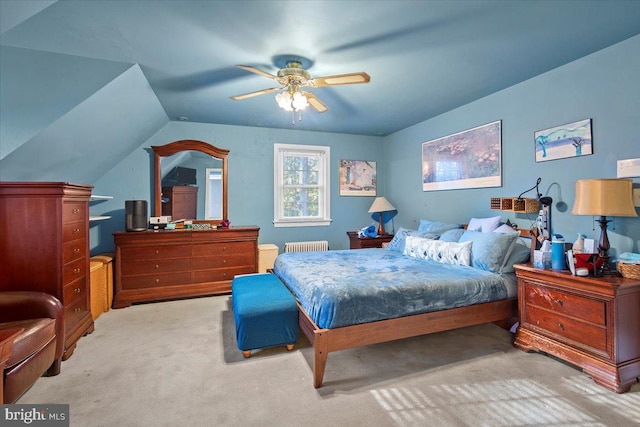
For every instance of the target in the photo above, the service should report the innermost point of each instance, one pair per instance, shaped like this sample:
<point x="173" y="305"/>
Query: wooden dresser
<point x="164" y="264"/>
<point x="356" y="242"/>
<point x="182" y="202"/>
<point x="45" y="247"/>
<point x="591" y="322"/>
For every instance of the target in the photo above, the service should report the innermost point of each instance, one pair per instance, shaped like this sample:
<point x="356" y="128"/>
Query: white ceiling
<point x="424" y="57"/>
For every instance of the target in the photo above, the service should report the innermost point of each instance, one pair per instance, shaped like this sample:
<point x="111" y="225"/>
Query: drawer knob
<point x="76" y="250"/>
<point x="560" y="303"/>
<point x="561" y="326"/>
<point x="76" y="310"/>
<point x="75" y="210"/>
<point x="157" y="266"/>
<point x="157" y="280"/>
<point x="224" y="261"/>
<point x="157" y="252"/>
<point x="76" y="270"/>
<point x="76" y="291"/>
<point x="76" y="230"/>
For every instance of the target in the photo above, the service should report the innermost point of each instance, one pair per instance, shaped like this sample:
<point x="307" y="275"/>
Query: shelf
<point x="514" y="204"/>
<point x="98" y="218"/>
<point x="95" y="197"/>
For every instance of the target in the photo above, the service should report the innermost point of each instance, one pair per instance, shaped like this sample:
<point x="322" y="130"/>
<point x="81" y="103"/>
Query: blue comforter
<point x="347" y="287"/>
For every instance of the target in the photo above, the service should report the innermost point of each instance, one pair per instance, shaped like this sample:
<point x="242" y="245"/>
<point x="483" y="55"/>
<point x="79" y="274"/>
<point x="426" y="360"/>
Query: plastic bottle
<point x="557" y="253"/>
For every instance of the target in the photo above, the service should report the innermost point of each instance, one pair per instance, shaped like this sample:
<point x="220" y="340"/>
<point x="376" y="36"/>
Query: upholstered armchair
<point x="39" y="345"/>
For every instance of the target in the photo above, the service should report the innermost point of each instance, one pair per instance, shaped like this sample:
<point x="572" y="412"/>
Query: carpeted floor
<point x="176" y="364"/>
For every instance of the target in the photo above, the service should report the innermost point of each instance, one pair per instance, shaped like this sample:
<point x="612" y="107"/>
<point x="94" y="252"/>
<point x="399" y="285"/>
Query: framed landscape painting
<point x="357" y="178"/>
<point x="570" y="140"/>
<point x="467" y="159"/>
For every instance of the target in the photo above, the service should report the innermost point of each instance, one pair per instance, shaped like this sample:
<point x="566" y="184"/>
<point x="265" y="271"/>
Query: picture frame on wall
<point x="358" y="178"/>
<point x="468" y="159"/>
<point x="560" y="142"/>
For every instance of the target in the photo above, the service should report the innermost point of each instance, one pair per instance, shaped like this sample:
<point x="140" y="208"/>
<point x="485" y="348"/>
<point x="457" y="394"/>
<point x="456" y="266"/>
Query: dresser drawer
<point x="149" y="253"/>
<point x="74" y="291"/>
<point x="74" y="250"/>
<point x="579" y="307"/>
<point x="155" y="267"/>
<point x="74" y="271"/>
<point x="73" y="231"/>
<point x="73" y="312"/>
<point x="223" y="261"/>
<point x="155" y="280"/>
<point x="73" y="211"/>
<point x="219" y="274"/>
<point x="224" y="248"/>
<point x="590" y="336"/>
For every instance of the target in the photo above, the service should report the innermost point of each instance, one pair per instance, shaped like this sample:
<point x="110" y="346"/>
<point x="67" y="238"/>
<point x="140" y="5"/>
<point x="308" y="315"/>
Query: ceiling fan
<point x="293" y="76"/>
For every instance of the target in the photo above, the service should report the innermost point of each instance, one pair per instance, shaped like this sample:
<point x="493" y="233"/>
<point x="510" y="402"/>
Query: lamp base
<point x="380" y="226"/>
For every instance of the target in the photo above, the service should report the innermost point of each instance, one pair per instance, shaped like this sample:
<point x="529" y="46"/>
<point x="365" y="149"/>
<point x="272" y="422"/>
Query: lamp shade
<point x="381" y="204"/>
<point x="604" y="197"/>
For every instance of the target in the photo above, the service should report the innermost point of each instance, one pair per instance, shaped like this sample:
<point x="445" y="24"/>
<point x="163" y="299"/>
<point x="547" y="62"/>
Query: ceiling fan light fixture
<point x="292" y="102"/>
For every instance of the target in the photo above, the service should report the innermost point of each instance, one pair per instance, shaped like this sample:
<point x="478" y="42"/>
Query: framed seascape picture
<point x="570" y="140"/>
<point x="467" y="159"/>
<point x="357" y="178"/>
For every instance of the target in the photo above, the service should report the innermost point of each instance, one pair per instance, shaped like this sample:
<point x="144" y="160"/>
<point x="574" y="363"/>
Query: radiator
<point x="317" y="245"/>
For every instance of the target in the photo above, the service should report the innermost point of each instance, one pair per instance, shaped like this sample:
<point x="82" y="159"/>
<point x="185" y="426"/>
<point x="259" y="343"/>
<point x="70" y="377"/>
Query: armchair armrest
<point x="21" y="305"/>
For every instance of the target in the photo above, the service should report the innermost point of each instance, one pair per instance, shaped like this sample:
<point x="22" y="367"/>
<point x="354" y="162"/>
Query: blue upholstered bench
<point x="265" y="312"/>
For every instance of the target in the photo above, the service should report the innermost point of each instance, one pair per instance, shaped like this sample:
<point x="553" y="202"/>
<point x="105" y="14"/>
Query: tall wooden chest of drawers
<point x="45" y="247"/>
<point x="164" y="264"/>
<point x="592" y="322"/>
<point x="182" y="202"/>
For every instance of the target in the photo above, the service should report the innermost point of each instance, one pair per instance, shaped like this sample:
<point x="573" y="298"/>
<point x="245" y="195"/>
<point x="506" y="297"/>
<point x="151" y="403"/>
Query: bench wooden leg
<point x="290" y="347"/>
<point x="246" y="354"/>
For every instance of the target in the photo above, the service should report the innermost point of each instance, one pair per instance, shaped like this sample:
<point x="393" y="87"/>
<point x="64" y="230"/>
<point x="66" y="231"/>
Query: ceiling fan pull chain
<point x="293" y="118"/>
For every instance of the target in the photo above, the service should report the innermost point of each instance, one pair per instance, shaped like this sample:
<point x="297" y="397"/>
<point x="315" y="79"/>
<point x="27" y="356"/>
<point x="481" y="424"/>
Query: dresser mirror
<point x="190" y="181"/>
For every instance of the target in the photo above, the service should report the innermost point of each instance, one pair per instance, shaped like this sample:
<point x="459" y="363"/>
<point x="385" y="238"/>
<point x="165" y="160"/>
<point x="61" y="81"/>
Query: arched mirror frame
<point x="186" y="145"/>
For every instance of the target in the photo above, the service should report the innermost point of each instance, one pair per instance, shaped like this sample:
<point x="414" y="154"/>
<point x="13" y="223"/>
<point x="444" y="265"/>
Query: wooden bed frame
<point x="325" y="341"/>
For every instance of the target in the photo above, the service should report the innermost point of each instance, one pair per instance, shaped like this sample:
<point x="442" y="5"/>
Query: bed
<point x="353" y="298"/>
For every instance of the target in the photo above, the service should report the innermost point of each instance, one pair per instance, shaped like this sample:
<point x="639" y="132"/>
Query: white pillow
<point x="445" y="252"/>
<point x="485" y="225"/>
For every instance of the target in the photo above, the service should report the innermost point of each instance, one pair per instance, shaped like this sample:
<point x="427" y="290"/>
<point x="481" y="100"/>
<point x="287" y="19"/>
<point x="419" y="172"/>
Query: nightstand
<point x="591" y="322"/>
<point x="356" y="242"/>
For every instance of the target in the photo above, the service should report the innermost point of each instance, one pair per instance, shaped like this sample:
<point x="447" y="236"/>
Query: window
<point x="301" y="185"/>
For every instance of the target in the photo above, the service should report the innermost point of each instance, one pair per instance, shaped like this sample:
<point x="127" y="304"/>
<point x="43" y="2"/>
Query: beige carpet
<point x="176" y="364"/>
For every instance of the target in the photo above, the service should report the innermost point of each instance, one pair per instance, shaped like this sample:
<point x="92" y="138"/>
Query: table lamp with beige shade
<point x="604" y="198"/>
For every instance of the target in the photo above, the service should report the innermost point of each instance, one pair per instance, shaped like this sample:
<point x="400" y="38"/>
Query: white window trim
<point x="324" y="218"/>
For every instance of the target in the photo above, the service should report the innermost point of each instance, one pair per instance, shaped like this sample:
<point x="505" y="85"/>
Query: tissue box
<point x="542" y="259"/>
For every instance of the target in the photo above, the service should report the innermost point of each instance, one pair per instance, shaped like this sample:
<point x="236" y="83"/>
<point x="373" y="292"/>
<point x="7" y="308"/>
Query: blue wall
<point x="603" y="86"/>
<point x="250" y="180"/>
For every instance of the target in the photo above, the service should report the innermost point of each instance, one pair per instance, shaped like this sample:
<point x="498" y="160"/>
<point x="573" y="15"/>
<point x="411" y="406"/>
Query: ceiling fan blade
<point x="342" y="79"/>
<point x="257" y="71"/>
<point x="315" y="103"/>
<point x="252" y="94"/>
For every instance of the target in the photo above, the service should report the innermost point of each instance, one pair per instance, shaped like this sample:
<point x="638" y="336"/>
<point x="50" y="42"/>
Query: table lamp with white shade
<point x="382" y="211"/>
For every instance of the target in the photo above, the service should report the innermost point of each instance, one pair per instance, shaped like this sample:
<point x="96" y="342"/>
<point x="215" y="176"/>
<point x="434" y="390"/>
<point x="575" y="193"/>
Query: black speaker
<point x="136" y="215"/>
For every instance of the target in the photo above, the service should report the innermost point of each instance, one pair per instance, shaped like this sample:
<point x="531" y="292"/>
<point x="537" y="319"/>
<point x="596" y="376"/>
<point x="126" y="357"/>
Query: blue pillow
<point x="489" y="251"/>
<point x="452" y="235"/>
<point x="399" y="239"/>
<point x="427" y="226"/>
<point x="520" y="253"/>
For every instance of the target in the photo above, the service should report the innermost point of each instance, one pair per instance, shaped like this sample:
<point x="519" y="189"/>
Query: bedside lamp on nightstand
<point x="382" y="211"/>
<point x="603" y="198"/>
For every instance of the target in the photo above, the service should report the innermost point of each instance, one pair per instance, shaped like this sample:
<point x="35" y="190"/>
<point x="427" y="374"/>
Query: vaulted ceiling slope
<point x="178" y="59"/>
